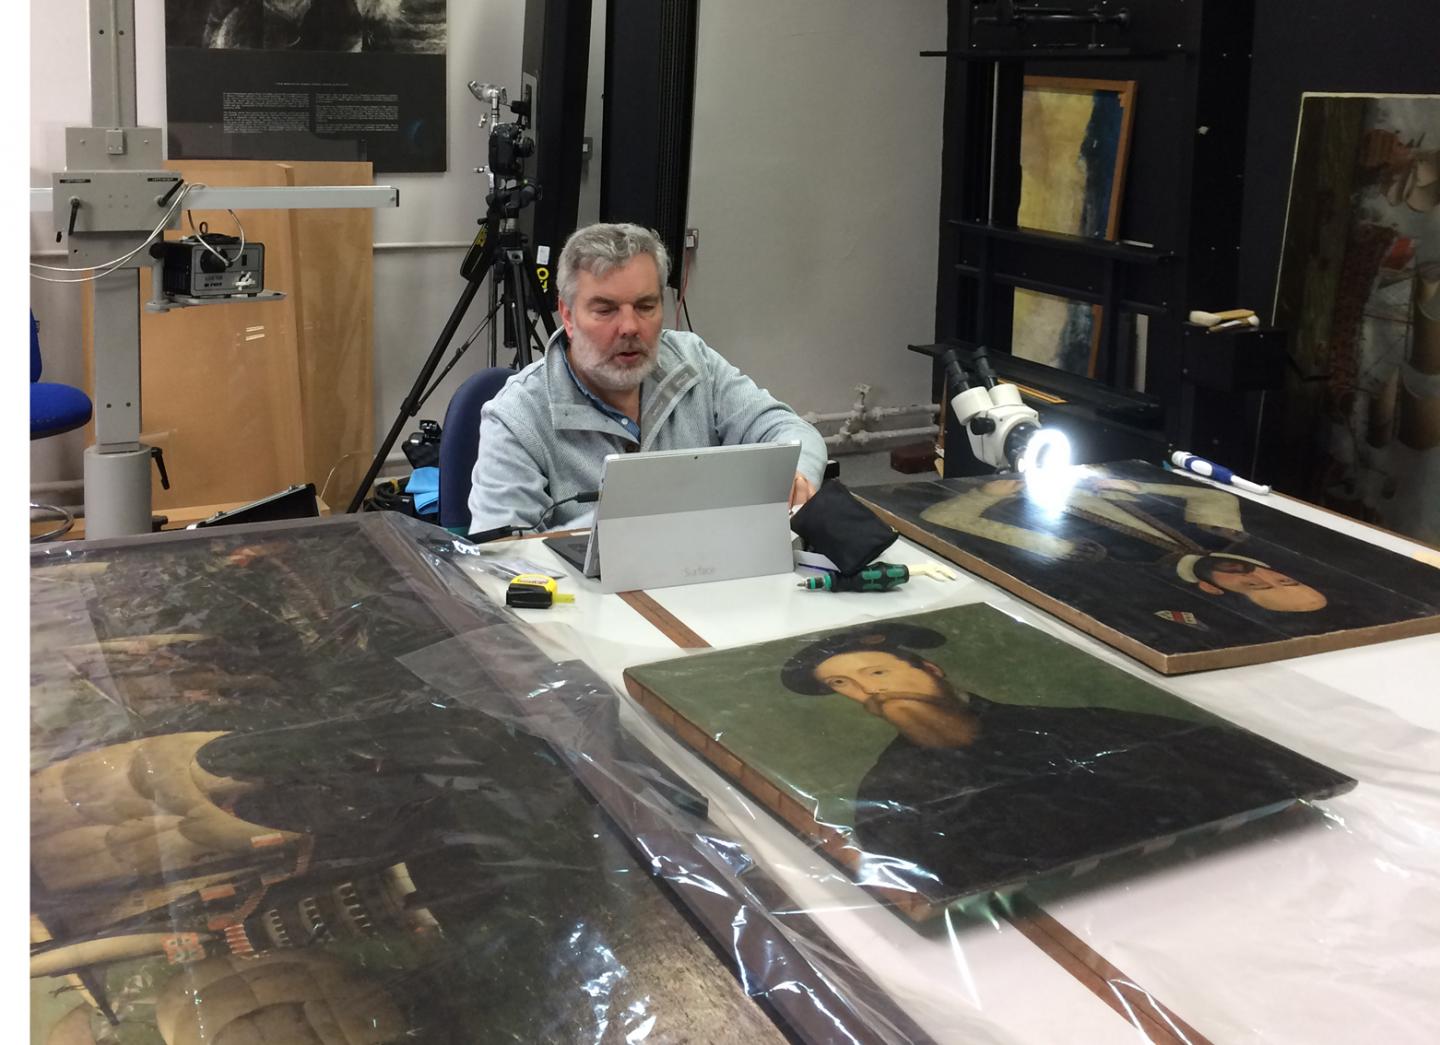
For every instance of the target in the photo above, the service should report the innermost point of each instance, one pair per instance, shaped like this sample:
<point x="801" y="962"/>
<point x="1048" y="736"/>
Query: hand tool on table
<point x="878" y="576"/>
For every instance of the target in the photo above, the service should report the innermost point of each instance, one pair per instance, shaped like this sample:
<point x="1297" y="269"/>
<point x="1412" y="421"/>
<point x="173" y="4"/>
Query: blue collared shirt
<point x="604" y="407"/>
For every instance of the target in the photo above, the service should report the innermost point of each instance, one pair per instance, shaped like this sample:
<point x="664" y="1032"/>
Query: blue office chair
<point x="460" y="444"/>
<point x="54" y="409"/>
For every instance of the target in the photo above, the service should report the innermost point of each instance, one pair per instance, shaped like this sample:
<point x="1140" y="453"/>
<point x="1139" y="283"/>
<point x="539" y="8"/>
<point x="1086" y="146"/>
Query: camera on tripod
<point x="499" y="256"/>
<point x="510" y="145"/>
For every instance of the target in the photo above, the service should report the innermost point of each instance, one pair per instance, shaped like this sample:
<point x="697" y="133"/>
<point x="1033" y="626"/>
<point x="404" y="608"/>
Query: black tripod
<point x="500" y="252"/>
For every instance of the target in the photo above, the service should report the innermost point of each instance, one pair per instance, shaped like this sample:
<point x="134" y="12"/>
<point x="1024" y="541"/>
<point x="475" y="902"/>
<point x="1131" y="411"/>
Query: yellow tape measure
<point x="534" y="591"/>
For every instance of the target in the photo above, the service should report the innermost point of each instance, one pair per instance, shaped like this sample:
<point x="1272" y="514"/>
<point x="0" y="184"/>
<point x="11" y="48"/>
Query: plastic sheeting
<point x="331" y="722"/>
<point x="1317" y="925"/>
<point x="302" y="783"/>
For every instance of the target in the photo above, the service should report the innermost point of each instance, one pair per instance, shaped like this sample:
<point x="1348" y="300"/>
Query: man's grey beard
<point x="611" y="378"/>
<point x="622" y="379"/>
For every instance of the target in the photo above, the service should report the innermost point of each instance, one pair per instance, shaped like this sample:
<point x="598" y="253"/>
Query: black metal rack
<point x="1089" y="270"/>
<point x="1180" y="221"/>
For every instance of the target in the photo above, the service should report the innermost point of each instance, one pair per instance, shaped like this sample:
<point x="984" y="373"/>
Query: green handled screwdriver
<point x="878" y="576"/>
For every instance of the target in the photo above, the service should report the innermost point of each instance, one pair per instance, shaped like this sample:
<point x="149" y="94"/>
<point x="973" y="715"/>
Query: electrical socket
<point x="692" y="239"/>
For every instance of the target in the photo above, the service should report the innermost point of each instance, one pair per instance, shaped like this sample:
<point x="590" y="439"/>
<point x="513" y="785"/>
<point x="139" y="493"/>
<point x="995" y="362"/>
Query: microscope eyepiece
<point x="954" y="372"/>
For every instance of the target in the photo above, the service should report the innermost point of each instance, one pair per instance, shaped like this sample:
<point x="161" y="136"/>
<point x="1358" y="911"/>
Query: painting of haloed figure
<point x="953" y="753"/>
<point x="1177" y="573"/>
<point x="251" y="820"/>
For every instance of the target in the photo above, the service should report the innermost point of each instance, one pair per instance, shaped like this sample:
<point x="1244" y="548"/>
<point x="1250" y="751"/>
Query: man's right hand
<point x="800" y="491"/>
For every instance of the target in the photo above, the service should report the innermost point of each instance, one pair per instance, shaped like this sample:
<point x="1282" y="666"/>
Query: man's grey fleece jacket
<point x="542" y="440"/>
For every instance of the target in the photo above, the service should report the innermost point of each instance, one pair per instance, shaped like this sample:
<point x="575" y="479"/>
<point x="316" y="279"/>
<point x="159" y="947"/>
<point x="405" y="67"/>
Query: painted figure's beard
<point x="927" y="720"/>
<point x="612" y="376"/>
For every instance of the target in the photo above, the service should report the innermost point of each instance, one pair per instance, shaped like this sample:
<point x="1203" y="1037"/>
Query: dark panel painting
<point x="1176" y="573"/>
<point x="947" y="754"/>
<point x="251" y="821"/>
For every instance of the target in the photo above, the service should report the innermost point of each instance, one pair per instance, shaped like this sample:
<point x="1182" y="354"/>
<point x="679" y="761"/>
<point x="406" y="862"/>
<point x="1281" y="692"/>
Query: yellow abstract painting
<point x="1074" y="141"/>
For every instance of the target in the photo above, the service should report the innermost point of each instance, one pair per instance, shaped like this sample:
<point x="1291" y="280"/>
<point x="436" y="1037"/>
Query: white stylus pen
<point x="1211" y="470"/>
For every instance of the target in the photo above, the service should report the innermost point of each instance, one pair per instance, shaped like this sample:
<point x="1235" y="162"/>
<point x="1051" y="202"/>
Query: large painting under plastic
<point x="253" y="820"/>
<point x="948" y="754"/>
<point x="1176" y="573"/>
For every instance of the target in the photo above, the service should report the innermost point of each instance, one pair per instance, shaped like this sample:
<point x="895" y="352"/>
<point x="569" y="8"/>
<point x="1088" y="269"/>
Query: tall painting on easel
<point x="1074" y="144"/>
<point x="1359" y="292"/>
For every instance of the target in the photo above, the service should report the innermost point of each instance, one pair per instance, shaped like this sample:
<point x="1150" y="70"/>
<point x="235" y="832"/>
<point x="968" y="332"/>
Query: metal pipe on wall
<point x="872" y="413"/>
<point x="841" y="441"/>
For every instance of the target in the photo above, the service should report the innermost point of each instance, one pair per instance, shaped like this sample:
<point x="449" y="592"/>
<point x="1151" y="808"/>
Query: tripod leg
<point x="454" y="360"/>
<point x="523" y="331"/>
<point x="411" y="405"/>
<point x="517" y="327"/>
<point x="494" y="293"/>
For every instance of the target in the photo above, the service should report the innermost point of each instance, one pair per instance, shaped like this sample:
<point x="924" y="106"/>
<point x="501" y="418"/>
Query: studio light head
<point x="1004" y="433"/>
<point x="491" y="94"/>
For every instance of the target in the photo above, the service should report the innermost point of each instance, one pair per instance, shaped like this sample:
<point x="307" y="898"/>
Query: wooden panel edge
<point x="836" y="846"/>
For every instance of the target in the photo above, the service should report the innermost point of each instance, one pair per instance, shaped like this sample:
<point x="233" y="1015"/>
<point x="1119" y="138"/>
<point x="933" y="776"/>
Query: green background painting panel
<point x="818" y="748"/>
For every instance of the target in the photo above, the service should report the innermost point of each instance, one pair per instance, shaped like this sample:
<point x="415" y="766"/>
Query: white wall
<point x="815" y="186"/>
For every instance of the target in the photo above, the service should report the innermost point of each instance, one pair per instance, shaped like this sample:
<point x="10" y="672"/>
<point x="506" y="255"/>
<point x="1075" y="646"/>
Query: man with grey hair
<point x="611" y="381"/>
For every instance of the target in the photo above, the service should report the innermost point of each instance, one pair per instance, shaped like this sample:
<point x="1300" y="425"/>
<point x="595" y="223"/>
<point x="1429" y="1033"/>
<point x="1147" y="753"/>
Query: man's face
<point x="866" y="675"/>
<point x="614" y="325"/>
<point x="1269" y="589"/>
<point x="915" y="699"/>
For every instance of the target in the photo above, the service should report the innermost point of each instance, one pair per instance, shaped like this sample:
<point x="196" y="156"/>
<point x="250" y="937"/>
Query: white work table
<point x="1296" y="928"/>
